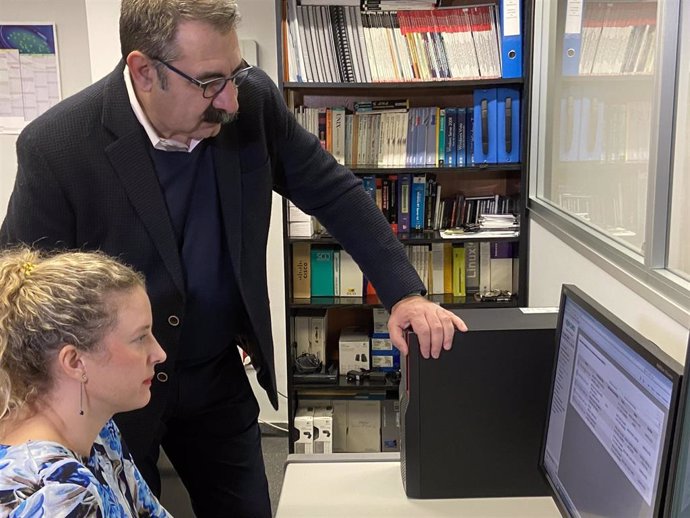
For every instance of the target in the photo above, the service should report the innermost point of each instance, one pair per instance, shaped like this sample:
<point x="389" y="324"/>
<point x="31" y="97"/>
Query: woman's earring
<point x="81" y="394"/>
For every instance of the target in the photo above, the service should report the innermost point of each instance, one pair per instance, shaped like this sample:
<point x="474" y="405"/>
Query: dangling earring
<point x="81" y="394"/>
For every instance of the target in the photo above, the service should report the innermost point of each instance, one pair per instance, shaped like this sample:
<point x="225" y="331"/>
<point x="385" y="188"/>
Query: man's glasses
<point x="213" y="87"/>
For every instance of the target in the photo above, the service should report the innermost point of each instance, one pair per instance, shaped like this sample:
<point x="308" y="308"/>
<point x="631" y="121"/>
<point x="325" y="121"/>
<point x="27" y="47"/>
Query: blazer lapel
<point x="130" y="159"/>
<point x="229" y="181"/>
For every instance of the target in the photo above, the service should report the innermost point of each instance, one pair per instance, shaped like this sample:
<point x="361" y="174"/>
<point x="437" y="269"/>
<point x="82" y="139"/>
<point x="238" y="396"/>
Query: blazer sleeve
<point x="311" y="178"/>
<point x="39" y="213"/>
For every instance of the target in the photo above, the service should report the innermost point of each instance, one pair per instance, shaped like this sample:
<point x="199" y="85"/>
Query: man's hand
<point x="434" y="325"/>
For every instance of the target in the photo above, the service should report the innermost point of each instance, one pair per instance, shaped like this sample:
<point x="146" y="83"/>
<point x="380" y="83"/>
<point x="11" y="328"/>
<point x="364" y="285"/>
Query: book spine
<point x="301" y="275"/>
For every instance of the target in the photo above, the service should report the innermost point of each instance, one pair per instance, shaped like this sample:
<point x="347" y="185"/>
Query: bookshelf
<point x="600" y="101"/>
<point x="435" y="84"/>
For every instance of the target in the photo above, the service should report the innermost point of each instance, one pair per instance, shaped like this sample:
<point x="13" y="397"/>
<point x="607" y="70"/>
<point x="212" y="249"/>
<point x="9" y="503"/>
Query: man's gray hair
<point x="150" y="26"/>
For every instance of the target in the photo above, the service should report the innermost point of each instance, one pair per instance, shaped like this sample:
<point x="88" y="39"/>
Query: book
<point x="471" y="266"/>
<point x="417" y="201"/>
<point x="501" y="265"/>
<point x="459" y="271"/>
<point x="301" y="277"/>
<point x="322" y="272"/>
<point x="351" y="278"/>
<point x="403" y="201"/>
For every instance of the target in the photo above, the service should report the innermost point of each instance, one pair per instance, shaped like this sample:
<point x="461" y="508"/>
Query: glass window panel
<point x="679" y="230"/>
<point x="599" y="101"/>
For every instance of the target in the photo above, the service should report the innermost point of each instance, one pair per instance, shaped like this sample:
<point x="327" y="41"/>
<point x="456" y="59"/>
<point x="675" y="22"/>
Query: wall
<point x="69" y="17"/>
<point x="552" y="263"/>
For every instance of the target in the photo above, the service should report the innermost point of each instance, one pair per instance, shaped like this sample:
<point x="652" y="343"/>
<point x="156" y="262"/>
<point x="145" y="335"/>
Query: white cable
<point x="273" y="426"/>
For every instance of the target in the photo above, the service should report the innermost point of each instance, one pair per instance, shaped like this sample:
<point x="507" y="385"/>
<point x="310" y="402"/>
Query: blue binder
<point x="508" y="125"/>
<point x="511" y="38"/>
<point x="485" y="147"/>
<point x="469" y="135"/>
<point x="572" y="38"/>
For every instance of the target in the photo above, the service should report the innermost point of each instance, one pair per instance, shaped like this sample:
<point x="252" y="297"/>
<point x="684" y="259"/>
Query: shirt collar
<point x="157" y="142"/>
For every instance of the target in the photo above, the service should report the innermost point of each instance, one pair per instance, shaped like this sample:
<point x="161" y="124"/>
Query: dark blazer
<point x="86" y="180"/>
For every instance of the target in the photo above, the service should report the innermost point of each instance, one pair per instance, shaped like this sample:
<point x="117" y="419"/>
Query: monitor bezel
<point x="642" y="346"/>
<point x="681" y="419"/>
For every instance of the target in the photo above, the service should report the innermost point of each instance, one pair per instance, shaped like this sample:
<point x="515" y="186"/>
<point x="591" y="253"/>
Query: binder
<point x="570" y="128"/>
<point x="591" y="129"/>
<point x="485" y="147"/>
<point x="572" y="38"/>
<point x="508" y="125"/>
<point x="511" y="39"/>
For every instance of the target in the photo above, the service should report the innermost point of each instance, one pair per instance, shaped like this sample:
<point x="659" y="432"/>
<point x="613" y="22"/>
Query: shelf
<point x="606" y="78"/>
<point x="482" y="168"/>
<point x="342" y="388"/>
<point x="398" y="89"/>
<point x="419" y="238"/>
<point x="446" y="300"/>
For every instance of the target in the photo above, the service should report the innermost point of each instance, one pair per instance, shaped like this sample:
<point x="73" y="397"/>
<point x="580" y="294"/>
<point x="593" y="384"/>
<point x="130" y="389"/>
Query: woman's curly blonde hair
<point x="47" y="301"/>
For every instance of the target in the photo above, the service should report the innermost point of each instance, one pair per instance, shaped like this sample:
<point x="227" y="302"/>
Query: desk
<point x="370" y="485"/>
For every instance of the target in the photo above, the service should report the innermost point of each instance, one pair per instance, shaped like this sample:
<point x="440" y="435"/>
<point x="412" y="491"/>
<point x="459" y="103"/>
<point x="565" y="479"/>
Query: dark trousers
<point x="211" y="435"/>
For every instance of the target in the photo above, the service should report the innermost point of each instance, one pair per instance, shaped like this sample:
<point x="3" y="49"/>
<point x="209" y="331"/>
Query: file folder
<point x="508" y="125"/>
<point x="511" y="39"/>
<point x="485" y="147"/>
<point x="572" y="38"/>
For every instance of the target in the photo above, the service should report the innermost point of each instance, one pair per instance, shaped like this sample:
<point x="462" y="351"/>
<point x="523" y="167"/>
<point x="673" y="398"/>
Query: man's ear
<point x="70" y="362"/>
<point x="142" y="71"/>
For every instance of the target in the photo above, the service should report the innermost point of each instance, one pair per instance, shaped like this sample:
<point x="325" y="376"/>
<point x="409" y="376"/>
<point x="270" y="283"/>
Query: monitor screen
<point x="610" y="415"/>
<point x="678" y="500"/>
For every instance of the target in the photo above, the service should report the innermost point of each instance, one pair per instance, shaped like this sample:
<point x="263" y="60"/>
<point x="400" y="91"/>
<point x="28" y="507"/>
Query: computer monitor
<point x="610" y="416"/>
<point x="678" y="489"/>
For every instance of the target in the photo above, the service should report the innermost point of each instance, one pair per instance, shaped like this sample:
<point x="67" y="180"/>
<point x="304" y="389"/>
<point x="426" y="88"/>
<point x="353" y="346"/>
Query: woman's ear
<point x="70" y="362"/>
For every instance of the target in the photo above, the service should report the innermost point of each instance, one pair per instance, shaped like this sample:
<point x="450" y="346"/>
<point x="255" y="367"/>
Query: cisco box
<point x="472" y="421"/>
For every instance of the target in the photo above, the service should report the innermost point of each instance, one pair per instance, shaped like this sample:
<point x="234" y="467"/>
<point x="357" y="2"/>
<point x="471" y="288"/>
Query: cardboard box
<point x="317" y="337"/>
<point x="380" y="321"/>
<point x="304" y="426"/>
<point x="353" y="347"/>
<point x="363" y="426"/>
<point x="323" y="430"/>
<point x="390" y="425"/>
<point x="339" y="426"/>
<point x="384" y="356"/>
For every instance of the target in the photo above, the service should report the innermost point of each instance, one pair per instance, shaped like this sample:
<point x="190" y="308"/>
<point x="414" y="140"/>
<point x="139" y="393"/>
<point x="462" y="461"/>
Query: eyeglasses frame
<point x="236" y="78"/>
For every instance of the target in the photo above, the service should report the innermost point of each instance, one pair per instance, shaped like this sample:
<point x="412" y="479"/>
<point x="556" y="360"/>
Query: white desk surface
<point x="345" y="485"/>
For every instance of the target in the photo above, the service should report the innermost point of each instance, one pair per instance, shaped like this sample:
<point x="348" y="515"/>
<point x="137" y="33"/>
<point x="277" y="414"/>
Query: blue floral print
<point x="44" y="479"/>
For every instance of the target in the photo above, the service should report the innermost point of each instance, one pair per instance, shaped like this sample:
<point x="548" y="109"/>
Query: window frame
<point x="645" y="274"/>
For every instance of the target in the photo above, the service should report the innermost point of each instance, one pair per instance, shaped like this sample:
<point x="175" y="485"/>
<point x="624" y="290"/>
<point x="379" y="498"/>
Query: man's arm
<point x="317" y="184"/>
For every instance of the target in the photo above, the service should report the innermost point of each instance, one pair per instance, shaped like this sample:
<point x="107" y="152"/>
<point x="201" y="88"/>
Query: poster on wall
<point x="29" y="73"/>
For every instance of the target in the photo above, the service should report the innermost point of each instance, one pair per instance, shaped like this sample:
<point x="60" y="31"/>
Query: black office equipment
<point x="472" y="421"/>
<point x="611" y="413"/>
<point x="677" y="503"/>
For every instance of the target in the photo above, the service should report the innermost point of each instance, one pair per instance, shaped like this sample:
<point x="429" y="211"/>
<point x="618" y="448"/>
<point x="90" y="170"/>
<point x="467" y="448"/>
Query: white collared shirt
<point x="157" y="142"/>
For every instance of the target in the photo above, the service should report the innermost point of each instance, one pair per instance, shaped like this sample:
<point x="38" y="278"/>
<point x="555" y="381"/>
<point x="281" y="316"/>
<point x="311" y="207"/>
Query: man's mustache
<point x="216" y="116"/>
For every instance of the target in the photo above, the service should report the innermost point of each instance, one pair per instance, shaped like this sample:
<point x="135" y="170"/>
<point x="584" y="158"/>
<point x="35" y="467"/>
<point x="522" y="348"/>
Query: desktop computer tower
<point x="472" y="421"/>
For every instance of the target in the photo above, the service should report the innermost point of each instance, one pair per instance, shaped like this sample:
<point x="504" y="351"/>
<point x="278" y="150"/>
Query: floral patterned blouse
<point x="43" y="478"/>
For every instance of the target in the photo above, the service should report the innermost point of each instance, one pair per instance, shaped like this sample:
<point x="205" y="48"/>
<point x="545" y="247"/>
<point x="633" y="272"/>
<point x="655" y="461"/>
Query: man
<point x="169" y="163"/>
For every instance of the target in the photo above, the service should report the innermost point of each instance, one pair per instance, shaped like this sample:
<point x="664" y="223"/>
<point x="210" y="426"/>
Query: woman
<point x="75" y="348"/>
